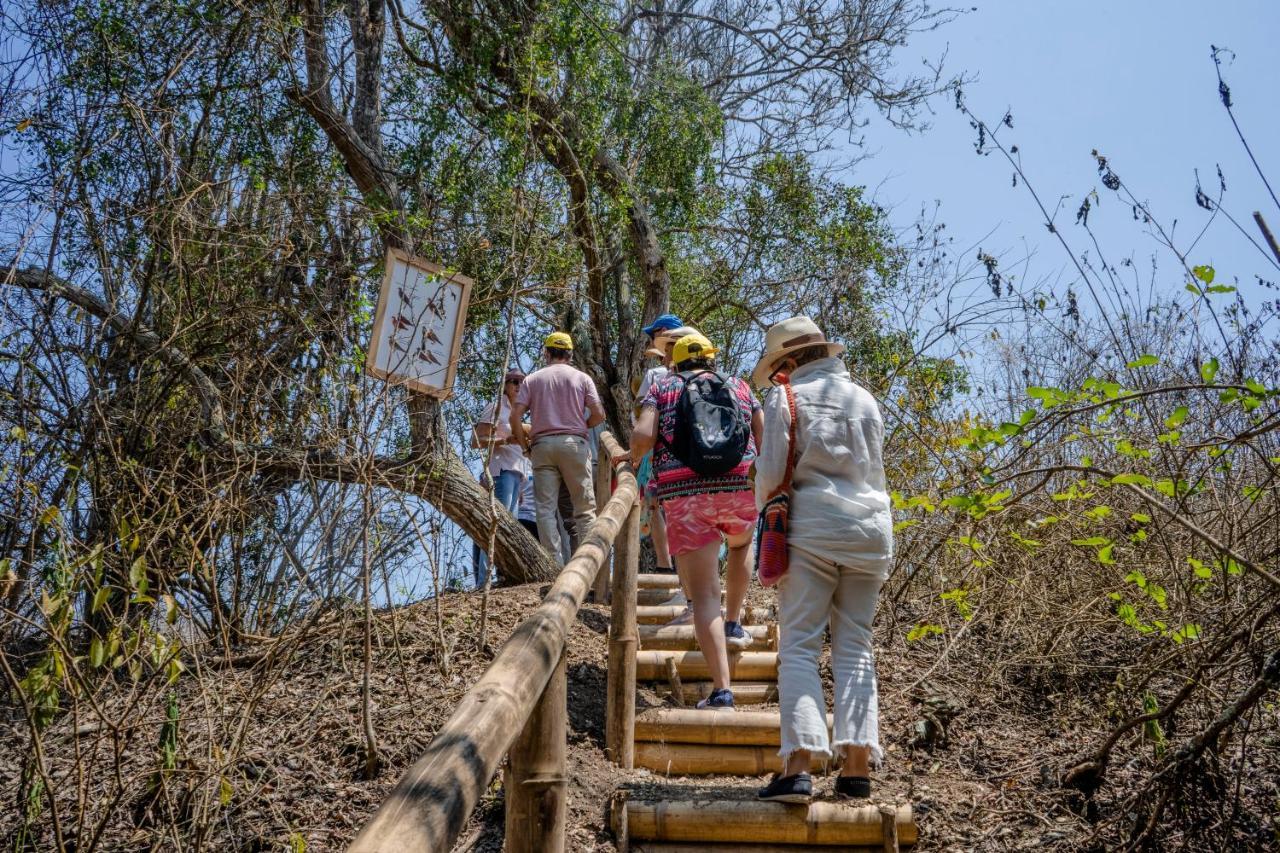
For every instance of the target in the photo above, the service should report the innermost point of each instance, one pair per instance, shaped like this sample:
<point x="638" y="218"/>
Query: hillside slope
<point x="273" y="759"/>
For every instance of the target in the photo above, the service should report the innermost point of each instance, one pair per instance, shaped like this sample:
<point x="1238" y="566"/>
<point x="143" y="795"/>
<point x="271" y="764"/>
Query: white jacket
<point x="840" y="507"/>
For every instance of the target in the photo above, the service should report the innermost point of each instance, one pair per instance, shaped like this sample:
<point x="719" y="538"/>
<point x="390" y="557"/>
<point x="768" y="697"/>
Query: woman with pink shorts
<point x="702" y="512"/>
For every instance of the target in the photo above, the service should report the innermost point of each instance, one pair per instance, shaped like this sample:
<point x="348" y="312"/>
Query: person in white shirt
<point x="507" y="466"/>
<point x="840" y="550"/>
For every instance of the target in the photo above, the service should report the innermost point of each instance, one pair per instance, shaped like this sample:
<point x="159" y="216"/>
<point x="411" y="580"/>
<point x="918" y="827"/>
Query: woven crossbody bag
<point x="775" y="517"/>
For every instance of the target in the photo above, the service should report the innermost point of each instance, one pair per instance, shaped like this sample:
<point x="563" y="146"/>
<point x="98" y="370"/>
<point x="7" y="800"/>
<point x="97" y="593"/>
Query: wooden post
<point x="673" y="678"/>
<point x="618" y="821"/>
<point x="604" y="486"/>
<point x="889" y="827"/>
<point x="620" y="710"/>
<point x="534" y="783"/>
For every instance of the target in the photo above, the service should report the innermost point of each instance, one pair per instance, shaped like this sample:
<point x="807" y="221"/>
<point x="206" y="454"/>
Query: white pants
<point x="559" y="458"/>
<point x="813" y="592"/>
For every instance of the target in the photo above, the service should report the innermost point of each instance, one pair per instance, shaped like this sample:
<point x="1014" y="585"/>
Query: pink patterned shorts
<point x="696" y="521"/>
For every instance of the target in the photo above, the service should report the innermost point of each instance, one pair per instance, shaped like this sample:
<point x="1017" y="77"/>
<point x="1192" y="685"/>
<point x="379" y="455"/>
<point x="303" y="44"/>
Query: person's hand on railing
<point x="625" y="455"/>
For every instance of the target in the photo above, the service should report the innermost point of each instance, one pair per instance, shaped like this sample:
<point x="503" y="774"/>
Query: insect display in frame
<point x="417" y="330"/>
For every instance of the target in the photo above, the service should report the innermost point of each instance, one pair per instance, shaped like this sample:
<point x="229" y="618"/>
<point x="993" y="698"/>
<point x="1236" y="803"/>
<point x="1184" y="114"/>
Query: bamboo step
<point x="820" y="824"/>
<point x="647" y="614"/>
<point x="744" y="692"/>
<point x="682" y="638"/>
<point x="747" y="666"/>
<point x="658" y="580"/>
<point x="711" y="847"/>
<point x="710" y="726"/>
<point x="698" y="759"/>
<point x="656" y="597"/>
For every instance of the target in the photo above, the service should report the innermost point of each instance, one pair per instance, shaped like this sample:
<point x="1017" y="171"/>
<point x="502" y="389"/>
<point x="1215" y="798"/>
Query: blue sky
<point x="1133" y="79"/>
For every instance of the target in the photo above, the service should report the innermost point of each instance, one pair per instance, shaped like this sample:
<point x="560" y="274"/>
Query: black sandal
<point x="853" y="788"/>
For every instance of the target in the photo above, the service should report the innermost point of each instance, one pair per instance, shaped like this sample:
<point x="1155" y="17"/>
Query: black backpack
<point x="711" y="432"/>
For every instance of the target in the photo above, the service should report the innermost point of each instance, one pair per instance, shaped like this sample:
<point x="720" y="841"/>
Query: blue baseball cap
<point x="666" y="321"/>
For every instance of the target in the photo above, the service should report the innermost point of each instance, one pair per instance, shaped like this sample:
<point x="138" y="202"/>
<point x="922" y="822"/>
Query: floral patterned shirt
<point x="675" y="479"/>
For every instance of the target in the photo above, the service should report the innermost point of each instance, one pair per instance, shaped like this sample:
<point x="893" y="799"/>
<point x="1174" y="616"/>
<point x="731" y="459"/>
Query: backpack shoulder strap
<point x="684" y="383"/>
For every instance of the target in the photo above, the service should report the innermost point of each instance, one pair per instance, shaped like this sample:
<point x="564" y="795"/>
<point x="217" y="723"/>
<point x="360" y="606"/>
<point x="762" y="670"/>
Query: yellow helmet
<point x="692" y="346"/>
<point x="558" y="340"/>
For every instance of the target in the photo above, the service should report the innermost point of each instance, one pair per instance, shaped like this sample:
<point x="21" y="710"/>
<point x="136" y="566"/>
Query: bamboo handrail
<point x="604" y="485"/>
<point x="433" y="800"/>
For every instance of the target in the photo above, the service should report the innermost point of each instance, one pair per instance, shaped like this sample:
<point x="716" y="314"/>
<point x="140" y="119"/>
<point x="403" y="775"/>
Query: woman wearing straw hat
<point x="839" y="547"/>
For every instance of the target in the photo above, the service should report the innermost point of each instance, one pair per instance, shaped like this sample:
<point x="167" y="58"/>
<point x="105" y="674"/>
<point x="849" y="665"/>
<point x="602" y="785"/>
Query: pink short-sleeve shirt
<point x="557" y="397"/>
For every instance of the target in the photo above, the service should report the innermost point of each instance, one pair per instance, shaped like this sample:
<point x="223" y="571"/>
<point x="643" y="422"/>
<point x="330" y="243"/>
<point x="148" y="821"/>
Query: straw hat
<point x="784" y="338"/>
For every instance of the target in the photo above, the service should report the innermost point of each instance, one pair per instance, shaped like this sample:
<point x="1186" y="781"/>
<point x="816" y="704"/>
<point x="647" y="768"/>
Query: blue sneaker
<point x="735" y="637"/>
<point x="722" y="698"/>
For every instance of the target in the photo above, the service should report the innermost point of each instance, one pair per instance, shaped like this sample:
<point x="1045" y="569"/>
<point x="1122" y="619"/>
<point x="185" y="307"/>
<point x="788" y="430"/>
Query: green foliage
<point x="168" y="740"/>
<point x="674" y="127"/>
<point x="959" y="598"/>
<point x="1151" y="729"/>
<point x="923" y="630"/>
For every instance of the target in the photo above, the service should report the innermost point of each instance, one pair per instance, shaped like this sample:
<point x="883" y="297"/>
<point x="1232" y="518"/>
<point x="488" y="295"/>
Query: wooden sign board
<point x="417" y="330"/>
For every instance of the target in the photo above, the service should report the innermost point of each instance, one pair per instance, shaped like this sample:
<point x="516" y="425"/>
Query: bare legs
<point x="699" y="570"/>
<point x="658" y="533"/>
<point x="737" y="576"/>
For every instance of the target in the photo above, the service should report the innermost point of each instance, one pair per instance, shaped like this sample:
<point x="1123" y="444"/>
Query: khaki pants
<point x="557" y="459"/>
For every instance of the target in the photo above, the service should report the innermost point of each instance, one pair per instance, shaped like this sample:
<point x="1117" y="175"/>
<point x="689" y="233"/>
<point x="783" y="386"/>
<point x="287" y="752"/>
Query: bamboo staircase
<point x="677" y="740"/>
<point x="518" y="709"/>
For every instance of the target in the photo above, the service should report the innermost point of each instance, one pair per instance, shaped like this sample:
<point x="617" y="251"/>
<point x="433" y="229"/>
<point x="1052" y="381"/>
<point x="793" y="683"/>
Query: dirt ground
<point x="984" y="788"/>
<point x="988" y="782"/>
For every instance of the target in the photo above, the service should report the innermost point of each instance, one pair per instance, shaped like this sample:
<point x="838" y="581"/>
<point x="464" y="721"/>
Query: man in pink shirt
<point x="563" y="405"/>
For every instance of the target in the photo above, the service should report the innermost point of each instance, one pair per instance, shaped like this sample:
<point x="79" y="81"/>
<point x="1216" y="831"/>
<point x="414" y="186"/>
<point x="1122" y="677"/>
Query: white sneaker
<point x="685" y="618"/>
<point x="677" y="600"/>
